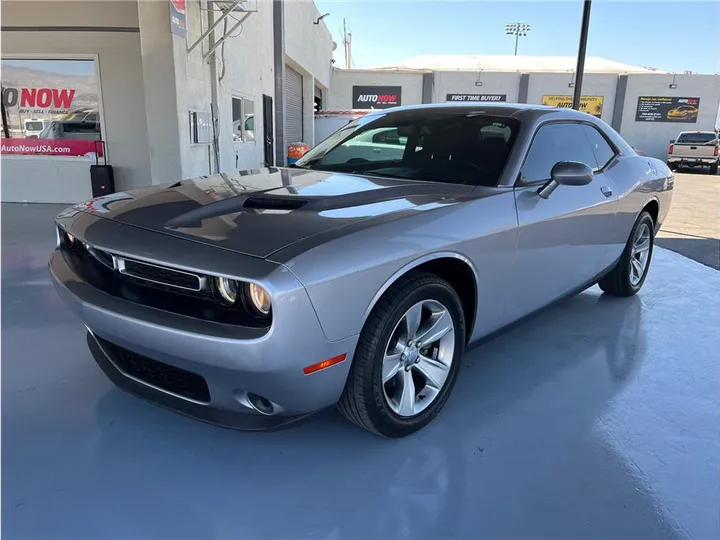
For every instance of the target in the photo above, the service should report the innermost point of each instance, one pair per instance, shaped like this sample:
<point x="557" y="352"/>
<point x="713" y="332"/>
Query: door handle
<point x="376" y="150"/>
<point x="606" y="191"/>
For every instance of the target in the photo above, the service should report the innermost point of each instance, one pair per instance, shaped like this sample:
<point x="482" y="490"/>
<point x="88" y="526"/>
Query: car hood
<point x="262" y="211"/>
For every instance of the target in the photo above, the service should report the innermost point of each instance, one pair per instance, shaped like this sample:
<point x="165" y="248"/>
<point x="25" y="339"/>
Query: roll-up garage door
<point x="293" y="106"/>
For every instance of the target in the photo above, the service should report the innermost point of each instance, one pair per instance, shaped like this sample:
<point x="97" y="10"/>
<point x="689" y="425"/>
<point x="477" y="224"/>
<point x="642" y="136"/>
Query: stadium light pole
<point x="517" y="30"/>
<point x="580" y="69"/>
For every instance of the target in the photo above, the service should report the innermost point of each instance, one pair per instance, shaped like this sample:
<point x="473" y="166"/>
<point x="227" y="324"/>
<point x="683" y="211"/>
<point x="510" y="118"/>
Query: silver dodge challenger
<point x="357" y="276"/>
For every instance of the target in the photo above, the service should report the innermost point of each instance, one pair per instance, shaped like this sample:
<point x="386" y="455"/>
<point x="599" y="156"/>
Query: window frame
<point x="243" y="98"/>
<point x="519" y="183"/>
<point x="100" y="108"/>
<point x="615" y="151"/>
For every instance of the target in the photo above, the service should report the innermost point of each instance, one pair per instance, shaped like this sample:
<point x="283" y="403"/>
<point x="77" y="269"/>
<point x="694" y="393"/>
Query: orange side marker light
<point x="325" y="364"/>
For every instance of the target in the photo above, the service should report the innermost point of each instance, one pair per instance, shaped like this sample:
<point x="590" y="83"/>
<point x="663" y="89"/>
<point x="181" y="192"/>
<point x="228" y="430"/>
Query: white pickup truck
<point x="694" y="149"/>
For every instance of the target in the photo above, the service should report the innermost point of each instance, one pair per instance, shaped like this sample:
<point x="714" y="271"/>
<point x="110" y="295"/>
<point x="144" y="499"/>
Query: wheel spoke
<point x="637" y="269"/>
<point x="391" y="365"/>
<point x="642" y="245"/>
<point x="412" y="321"/>
<point x="434" y="371"/>
<point x="439" y="325"/>
<point x="406" y="401"/>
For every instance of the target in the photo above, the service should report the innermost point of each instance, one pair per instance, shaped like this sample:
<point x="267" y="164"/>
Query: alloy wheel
<point x="640" y="254"/>
<point x="418" y="357"/>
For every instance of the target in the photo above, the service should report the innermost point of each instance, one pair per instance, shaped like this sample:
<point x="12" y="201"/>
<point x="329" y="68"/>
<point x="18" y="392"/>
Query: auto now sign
<point x="376" y="97"/>
<point x="40" y="99"/>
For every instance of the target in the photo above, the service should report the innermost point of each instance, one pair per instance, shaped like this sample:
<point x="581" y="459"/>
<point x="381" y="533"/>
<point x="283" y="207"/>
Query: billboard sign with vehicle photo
<point x="667" y="109"/>
<point x="588" y="104"/>
<point x="476" y="97"/>
<point x="376" y="97"/>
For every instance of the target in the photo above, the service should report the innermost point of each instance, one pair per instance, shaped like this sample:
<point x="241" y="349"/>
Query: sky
<point x="668" y="35"/>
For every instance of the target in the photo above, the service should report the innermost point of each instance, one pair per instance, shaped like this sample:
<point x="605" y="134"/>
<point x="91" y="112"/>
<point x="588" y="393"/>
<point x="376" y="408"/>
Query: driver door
<point x="560" y="242"/>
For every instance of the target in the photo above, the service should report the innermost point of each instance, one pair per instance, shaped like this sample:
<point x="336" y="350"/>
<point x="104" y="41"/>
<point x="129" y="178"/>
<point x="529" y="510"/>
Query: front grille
<point x="102" y="256"/>
<point x="161" y="275"/>
<point x="169" y="378"/>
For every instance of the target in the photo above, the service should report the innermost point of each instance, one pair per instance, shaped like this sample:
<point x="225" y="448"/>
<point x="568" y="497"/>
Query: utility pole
<point x="346" y="44"/>
<point x="517" y="30"/>
<point x="582" y="48"/>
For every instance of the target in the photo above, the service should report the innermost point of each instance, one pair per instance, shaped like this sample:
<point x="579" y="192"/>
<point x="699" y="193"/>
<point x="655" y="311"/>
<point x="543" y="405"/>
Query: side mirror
<point x="566" y="173"/>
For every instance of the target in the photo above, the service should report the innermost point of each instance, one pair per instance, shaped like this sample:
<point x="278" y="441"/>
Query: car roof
<point x="517" y="110"/>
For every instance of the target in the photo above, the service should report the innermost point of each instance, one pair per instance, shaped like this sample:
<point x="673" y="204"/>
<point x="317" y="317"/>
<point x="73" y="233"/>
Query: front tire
<point x="628" y="275"/>
<point x="397" y="386"/>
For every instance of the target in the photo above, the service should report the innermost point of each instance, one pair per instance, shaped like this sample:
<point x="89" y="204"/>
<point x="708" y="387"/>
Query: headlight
<point x="259" y="298"/>
<point x="226" y="290"/>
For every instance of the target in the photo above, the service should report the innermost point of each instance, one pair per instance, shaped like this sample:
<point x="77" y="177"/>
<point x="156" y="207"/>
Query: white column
<point x="308" y="110"/>
<point x="161" y="105"/>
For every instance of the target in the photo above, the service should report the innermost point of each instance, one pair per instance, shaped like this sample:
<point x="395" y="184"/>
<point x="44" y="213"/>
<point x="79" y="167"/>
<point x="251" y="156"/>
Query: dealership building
<point x="170" y="89"/>
<point x="145" y="83"/>
<point x="647" y="106"/>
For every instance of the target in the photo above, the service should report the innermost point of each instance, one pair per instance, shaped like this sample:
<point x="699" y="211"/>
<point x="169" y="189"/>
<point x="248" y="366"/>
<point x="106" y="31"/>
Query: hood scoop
<point x="274" y="202"/>
<point x="264" y="200"/>
<point x="234" y="205"/>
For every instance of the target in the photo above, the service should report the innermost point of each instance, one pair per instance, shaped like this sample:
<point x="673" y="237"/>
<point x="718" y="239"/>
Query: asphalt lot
<point x="692" y="227"/>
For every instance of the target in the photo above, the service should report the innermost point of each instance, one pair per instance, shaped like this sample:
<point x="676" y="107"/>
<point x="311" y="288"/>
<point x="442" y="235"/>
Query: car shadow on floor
<point x="701" y="249"/>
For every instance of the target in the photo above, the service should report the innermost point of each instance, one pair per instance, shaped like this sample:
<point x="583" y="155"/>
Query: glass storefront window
<point x="243" y="118"/>
<point x="50" y="108"/>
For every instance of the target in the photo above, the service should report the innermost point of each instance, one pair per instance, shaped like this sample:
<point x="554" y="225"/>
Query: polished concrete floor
<point x="598" y="418"/>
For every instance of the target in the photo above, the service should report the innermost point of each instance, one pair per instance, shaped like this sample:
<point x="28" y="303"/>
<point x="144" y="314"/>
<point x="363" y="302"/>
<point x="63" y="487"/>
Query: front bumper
<point x="230" y="363"/>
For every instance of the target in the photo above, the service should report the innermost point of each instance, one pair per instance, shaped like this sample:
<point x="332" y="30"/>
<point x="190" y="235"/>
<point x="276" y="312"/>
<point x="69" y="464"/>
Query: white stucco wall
<point x="463" y="82"/>
<point x="248" y="72"/>
<point x="308" y="45"/>
<point x="45" y="179"/>
<point x="342" y="82"/>
<point x="653" y="137"/>
<point x="594" y="84"/>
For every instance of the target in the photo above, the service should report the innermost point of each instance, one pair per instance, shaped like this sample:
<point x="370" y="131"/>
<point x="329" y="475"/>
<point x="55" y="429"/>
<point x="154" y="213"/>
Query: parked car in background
<point x="358" y="282"/>
<point x="694" y="149"/>
<point x="33" y="127"/>
<point x="71" y="129"/>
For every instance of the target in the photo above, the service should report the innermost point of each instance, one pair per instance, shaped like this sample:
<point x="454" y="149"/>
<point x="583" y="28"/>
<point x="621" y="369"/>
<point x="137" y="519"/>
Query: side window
<point x="553" y="143"/>
<point x="389" y="136"/>
<point x="600" y="147"/>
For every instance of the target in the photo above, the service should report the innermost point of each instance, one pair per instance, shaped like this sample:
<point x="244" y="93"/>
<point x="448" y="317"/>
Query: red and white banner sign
<point x="51" y="147"/>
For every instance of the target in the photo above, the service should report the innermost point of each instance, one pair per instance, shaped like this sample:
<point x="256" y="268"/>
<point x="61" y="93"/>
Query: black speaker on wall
<point x="102" y="177"/>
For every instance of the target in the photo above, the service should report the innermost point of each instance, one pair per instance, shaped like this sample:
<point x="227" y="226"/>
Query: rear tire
<point x="628" y="275"/>
<point x="369" y="398"/>
<point x="714" y="168"/>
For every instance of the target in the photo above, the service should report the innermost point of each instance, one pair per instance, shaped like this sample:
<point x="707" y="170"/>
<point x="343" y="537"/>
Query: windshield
<point x="34" y="126"/>
<point x="458" y="146"/>
<point x="696" y="138"/>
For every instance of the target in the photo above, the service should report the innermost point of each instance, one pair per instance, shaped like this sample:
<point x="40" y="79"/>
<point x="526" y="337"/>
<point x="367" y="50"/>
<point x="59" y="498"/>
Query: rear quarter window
<point x="600" y="147"/>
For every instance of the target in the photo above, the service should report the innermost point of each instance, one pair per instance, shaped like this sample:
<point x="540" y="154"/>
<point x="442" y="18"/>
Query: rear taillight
<point x="717" y="151"/>
<point x="670" y="150"/>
